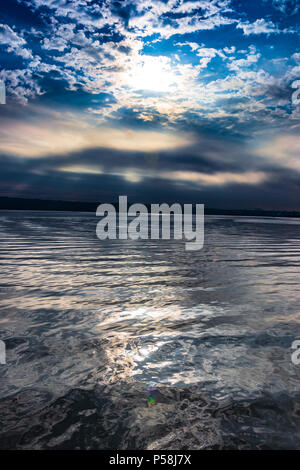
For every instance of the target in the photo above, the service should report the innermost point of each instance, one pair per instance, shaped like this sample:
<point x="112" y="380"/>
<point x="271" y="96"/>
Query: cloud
<point x="229" y="50"/>
<point x="151" y="18"/>
<point x="296" y="57"/>
<point x="140" y="93"/>
<point x="103" y="48"/>
<point x="135" y="175"/>
<point x="207" y="54"/>
<point x="218" y="179"/>
<point x="65" y="36"/>
<point x="172" y="17"/>
<point x="21" y="84"/>
<point x="14" y="42"/>
<point x="260" y="26"/>
<point x="283" y="151"/>
<point x="193" y="45"/>
<point x="62" y="137"/>
<point x="288" y="7"/>
<point x="250" y="59"/>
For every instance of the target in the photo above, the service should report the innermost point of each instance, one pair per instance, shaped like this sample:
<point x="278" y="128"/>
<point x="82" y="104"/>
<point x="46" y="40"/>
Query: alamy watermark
<point x="2" y="93"/>
<point x="296" y="354"/>
<point x="2" y="352"/>
<point x="153" y="225"/>
<point x="296" y="98"/>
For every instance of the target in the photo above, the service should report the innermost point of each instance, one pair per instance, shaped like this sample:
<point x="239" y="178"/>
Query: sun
<point x="151" y="73"/>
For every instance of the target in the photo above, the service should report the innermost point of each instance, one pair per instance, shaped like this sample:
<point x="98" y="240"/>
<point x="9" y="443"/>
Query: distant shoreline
<point x="11" y="203"/>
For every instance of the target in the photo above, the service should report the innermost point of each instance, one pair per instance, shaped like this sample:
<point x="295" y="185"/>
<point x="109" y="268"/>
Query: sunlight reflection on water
<point x="89" y="325"/>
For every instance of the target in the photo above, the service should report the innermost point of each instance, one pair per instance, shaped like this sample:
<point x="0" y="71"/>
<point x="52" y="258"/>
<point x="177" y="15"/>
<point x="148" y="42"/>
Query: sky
<point x="162" y="101"/>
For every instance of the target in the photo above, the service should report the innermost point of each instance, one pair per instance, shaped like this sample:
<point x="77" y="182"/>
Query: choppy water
<point x="88" y="324"/>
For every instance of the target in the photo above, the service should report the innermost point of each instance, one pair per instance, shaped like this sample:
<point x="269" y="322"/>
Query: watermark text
<point x="137" y="223"/>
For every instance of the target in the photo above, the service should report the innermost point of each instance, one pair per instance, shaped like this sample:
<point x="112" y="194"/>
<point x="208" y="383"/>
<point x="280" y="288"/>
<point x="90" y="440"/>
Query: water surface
<point x="88" y="325"/>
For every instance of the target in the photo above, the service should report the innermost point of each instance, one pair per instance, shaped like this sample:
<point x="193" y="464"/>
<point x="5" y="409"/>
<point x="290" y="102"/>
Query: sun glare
<point x="152" y="73"/>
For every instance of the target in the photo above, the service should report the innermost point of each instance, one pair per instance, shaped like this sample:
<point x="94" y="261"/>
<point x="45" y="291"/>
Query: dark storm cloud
<point x="39" y="180"/>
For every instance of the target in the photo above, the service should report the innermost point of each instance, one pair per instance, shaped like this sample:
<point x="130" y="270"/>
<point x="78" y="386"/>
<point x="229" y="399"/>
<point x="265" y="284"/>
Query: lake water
<point x="143" y="345"/>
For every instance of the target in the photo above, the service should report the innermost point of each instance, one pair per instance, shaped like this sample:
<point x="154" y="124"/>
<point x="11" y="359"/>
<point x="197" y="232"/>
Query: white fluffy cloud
<point x="260" y="26"/>
<point x="14" y="42"/>
<point x="20" y="84"/>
